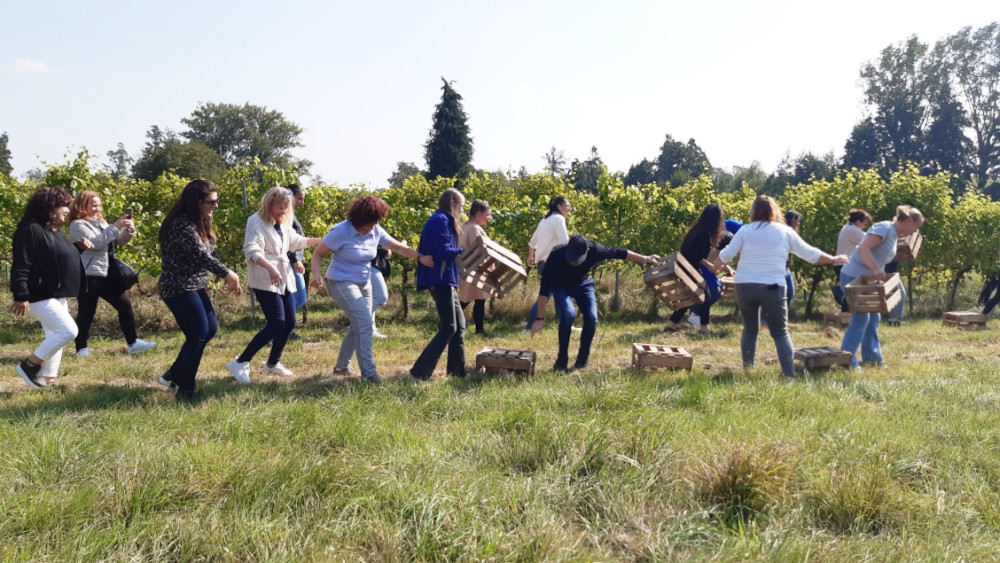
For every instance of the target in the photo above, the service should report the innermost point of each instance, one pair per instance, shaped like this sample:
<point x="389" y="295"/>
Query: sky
<point x="749" y="81"/>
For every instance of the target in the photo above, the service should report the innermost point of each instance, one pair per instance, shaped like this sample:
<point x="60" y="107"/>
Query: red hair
<point x="367" y="211"/>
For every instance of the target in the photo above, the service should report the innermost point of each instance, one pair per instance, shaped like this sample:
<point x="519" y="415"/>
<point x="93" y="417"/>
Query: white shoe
<point x="278" y="369"/>
<point x="694" y="320"/>
<point x="577" y="329"/>
<point x="377" y="334"/>
<point x="83" y="352"/>
<point x="139" y="346"/>
<point x="239" y="370"/>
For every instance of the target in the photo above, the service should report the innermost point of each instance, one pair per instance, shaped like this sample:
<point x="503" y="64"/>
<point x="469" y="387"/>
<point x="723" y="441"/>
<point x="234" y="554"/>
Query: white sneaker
<point x="139" y="346"/>
<point x="377" y="334"/>
<point x="278" y="369"/>
<point x="239" y="370"/>
<point x="83" y="352"/>
<point x="694" y="320"/>
<point x="577" y="329"/>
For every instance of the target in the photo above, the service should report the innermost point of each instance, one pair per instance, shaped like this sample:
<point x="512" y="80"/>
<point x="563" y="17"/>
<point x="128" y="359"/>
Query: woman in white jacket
<point x="268" y="240"/>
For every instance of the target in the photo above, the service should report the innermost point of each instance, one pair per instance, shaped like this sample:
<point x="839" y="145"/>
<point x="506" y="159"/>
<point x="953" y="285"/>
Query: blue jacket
<point x="438" y="240"/>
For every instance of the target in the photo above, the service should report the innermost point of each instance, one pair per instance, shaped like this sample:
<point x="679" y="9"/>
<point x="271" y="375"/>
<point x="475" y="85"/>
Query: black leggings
<point x="99" y="288"/>
<point x="478" y="314"/>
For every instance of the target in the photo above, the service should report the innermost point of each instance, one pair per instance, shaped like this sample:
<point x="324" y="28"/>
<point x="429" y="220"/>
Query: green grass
<point x="720" y="463"/>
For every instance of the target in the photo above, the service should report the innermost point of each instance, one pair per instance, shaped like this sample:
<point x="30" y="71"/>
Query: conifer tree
<point x="449" y="148"/>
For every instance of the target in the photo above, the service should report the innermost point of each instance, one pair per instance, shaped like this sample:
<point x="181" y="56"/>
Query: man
<point x="567" y="277"/>
<point x="296" y="258"/>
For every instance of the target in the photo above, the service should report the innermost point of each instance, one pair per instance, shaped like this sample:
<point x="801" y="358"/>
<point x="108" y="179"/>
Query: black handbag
<point x="120" y="273"/>
<point x="381" y="262"/>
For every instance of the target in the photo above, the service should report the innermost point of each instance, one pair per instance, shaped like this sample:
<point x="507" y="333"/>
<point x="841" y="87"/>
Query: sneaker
<point x="83" y="352"/>
<point x="342" y="371"/>
<point x="577" y="329"/>
<point x="137" y="347"/>
<point x="294" y="336"/>
<point x="29" y="373"/>
<point x="377" y="334"/>
<point x="694" y="320"/>
<point x="276" y="369"/>
<point x="167" y="383"/>
<point x="239" y="370"/>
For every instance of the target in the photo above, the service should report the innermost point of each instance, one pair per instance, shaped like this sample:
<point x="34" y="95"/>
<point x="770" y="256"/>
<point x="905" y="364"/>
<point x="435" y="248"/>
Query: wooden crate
<point x="837" y="319"/>
<point x="675" y="282"/>
<point x="645" y="356"/>
<point x="499" y="359"/>
<point x="908" y="248"/>
<point x="868" y="295"/>
<point x="965" y="318"/>
<point x="728" y="294"/>
<point x="823" y="357"/>
<point x="491" y="267"/>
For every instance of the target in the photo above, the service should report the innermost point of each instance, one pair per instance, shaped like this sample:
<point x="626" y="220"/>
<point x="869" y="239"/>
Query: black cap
<point x="576" y="249"/>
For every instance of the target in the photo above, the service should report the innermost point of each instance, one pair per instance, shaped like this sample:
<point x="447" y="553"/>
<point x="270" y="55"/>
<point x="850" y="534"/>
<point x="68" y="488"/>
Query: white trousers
<point x="60" y="329"/>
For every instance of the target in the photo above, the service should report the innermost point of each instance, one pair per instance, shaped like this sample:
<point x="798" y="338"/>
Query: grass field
<point x="900" y="463"/>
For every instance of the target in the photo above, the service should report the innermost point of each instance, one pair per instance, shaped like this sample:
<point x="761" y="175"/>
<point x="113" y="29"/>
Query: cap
<point x="576" y="249"/>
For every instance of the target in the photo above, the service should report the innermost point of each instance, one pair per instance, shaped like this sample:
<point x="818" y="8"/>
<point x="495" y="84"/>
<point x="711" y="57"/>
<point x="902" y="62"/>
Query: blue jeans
<point x="196" y="319"/>
<point x="562" y="298"/>
<point x="356" y="302"/>
<point x="863" y="331"/>
<point x="450" y="334"/>
<point x="279" y="310"/>
<point x="533" y="315"/>
<point x="301" y="295"/>
<point x="713" y="291"/>
<point x="789" y="289"/>
<point x="380" y="291"/>
<point x="767" y="300"/>
<point x="897" y="311"/>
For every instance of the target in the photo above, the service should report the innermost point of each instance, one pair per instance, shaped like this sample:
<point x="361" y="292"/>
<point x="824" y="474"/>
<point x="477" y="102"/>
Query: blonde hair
<point x="908" y="212"/>
<point x="265" y="206"/>
<point x="80" y="208"/>
<point x="446" y="203"/>
<point x="766" y="210"/>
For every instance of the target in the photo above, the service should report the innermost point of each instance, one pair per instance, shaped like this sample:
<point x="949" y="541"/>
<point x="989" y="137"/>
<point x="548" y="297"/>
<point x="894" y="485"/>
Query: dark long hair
<point x="710" y="223"/>
<point x="554" y="204"/>
<point x="189" y="205"/>
<point x="42" y="203"/>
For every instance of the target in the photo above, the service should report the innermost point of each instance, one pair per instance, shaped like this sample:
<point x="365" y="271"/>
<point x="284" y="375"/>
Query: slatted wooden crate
<point x="908" y="248"/>
<point x="868" y="295"/>
<point x="646" y="356"/>
<point x="964" y="318"/>
<point x="823" y="357"/>
<point x="837" y="319"/>
<point x="491" y="267"/>
<point x="728" y="294"/>
<point x="500" y="359"/>
<point x="675" y="282"/>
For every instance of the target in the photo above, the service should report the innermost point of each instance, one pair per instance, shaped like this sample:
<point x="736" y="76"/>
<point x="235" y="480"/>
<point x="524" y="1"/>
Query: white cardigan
<point x="263" y="240"/>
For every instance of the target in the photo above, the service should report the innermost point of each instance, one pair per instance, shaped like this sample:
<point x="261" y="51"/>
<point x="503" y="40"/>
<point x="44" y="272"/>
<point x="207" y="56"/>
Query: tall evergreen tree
<point x="448" y="151"/>
<point x="5" y="167"/>
<point x="947" y="145"/>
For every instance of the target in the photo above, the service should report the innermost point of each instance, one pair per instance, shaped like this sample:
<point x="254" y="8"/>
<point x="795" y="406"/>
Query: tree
<point x="404" y="171"/>
<point x="584" y="175"/>
<point x="555" y="162"/>
<point x="238" y="133"/>
<point x="120" y="162"/>
<point x="191" y="160"/>
<point x="947" y="146"/>
<point x="972" y="60"/>
<point x="678" y="162"/>
<point x="5" y="167"/>
<point x="862" y="150"/>
<point x="641" y="174"/>
<point x="448" y="151"/>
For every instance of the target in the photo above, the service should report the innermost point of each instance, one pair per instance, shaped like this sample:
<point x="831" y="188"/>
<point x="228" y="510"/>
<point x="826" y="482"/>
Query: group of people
<point x="49" y="268"/>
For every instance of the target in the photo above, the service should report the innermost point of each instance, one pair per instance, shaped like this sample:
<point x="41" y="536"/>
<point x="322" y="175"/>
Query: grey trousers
<point x="767" y="301"/>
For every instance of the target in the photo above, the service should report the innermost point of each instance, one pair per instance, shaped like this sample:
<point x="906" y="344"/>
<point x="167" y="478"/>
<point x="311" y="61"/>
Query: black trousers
<point x="478" y="314"/>
<point x="99" y="288"/>
<point x="450" y="334"/>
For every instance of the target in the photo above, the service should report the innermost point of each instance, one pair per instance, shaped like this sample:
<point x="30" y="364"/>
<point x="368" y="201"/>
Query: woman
<point x="87" y="222"/>
<point x="380" y="291"/>
<point x="794" y="220"/>
<point x="699" y="241"/>
<point x="46" y="271"/>
<point x="550" y="232"/>
<point x="763" y="245"/>
<point x="267" y="243"/>
<point x="439" y="239"/>
<point x="877" y="249"/>
<point x="187" y="250"/>
<point x="472" y="230"/>
<point x="849" y="238"/>
<point x="353" y="243"/>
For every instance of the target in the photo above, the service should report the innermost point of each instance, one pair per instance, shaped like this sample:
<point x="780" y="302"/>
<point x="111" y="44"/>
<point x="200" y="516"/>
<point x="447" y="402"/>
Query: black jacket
<point x="46" y="265"/>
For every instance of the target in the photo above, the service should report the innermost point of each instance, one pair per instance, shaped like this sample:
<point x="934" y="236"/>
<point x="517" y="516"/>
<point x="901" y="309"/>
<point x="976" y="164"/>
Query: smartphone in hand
<point x="128" y="212"/>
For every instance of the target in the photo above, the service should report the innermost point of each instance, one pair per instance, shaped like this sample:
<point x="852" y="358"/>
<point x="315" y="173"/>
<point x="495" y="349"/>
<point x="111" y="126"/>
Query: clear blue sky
<point x="748" y="80"/>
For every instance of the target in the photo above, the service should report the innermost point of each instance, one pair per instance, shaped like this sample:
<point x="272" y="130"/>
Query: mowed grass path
<point x="900" y="463"/>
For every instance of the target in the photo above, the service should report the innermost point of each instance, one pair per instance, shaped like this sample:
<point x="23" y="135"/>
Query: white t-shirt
<point x="763" y="249"/>
<point x="849" y="239"/>
<point x="550" y="232"/>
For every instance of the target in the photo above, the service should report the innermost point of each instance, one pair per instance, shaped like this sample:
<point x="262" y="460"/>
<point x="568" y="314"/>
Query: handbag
<point x="381" y="263"/>
<point x="119" y="272"/>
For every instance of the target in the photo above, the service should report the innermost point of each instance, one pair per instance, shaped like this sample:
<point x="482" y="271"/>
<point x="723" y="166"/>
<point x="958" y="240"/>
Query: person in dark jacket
<point x="567" y="276"/>
<point x="46" y="271"/>
<point x="187" y="249"/>
<point x="439" y="240"/>
<point x="297" y="258"/>
<point x="701" y="238"/>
